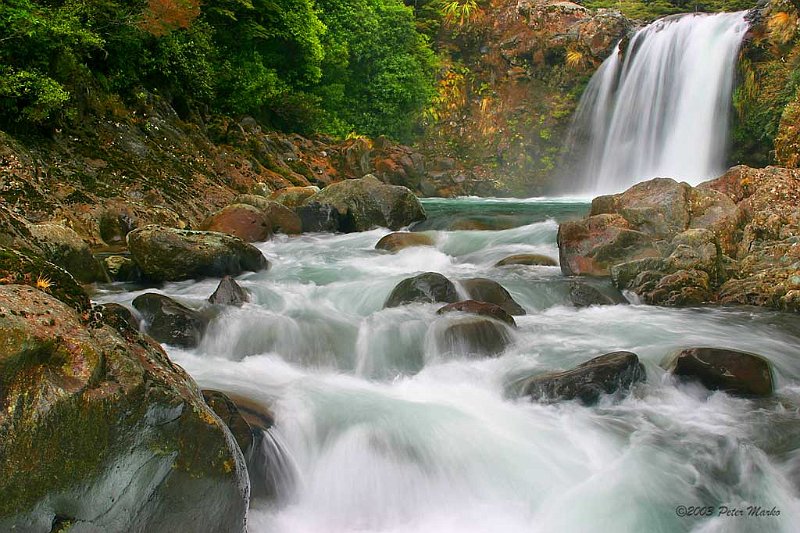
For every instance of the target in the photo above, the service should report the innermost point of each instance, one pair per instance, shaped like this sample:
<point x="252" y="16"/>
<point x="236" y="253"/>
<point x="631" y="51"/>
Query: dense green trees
<point x="335" y="66"/>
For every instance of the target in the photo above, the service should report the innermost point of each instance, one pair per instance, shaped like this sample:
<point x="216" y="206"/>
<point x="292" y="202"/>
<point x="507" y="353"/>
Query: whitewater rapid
<point x="386" y="433"/>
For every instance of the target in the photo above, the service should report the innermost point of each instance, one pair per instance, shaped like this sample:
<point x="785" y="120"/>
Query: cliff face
<point x="511" y="84"/>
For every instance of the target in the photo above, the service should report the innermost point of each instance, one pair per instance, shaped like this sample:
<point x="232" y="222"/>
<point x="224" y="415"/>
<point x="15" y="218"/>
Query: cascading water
<point x="660" y="107"/>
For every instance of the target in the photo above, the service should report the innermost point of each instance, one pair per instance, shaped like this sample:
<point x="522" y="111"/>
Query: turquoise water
<point x="389" y="432"/>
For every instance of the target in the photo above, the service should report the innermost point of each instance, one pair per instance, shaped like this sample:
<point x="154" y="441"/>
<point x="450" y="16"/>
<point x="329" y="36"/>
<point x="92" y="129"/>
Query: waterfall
<point x="660" y="106"/>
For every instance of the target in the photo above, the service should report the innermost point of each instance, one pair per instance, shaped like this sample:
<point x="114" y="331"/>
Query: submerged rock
<point x="367" y="203"/>
<point x="103" y="431"/>
<point x="228" y="292"/>
<point x="584" y="295"/>
<point x="486" y="290"/>
<point x="430" y="287"/>
<point x="478" y="335"/>
<point x="169" y="322"/>
<point x="527" y="260"/>
<point x="400" y="240"/>
<point x="608" y="374"/>
<point x="166" y="254"/>
<point x="479" y="308"/>
<point x="740" y="373"/>
<point x="63" y="247"/>
<point x="240" y="220"/>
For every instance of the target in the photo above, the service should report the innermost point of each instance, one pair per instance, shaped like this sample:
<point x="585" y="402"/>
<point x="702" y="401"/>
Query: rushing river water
<point x="388" y="432"/>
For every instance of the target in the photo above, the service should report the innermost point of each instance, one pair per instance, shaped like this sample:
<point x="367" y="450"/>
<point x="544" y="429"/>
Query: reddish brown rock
<point x="240" y="220"/>
<point x="527" y="260"/>
<point x="400" y="240"/>
<point x="733" y="371"/>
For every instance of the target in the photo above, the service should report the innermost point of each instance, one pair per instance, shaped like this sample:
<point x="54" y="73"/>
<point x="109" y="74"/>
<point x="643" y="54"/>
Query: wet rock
<point x="115" y="224"/>
<point x="608" y="374"/>
<point x="430" y="287"/>
<point x="240" y="220"/>
<point x="486" y="290"/>
<point x="228" y="292"/>
<point x="20" y="268"/>
<point x="15" y="233"/>
<point x="293" y="197"/>
<point x="118" y="317"/>
<point x="583" y="295"/>
<point x="105" y="432"/>
<point x="475" y="336"/>
<point x="528" y="260"/>
<point x="121" y="268"/>
<point x="739" y="373"/>
<point x="479" y="308"/>
<point x="170" y="322"/>
<point x="367" y="203"/>
<point x="166" y="254"/>
<point x="281" y="218"/>
<point x="397" y="241"/>
<point x="315" y="217"/>
<point x="227" y="411"/>
<point x="62" y="246"/>
<point x="496" y="223"/>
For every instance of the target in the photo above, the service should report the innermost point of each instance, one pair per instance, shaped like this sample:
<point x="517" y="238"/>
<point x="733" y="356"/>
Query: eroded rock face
<point x="240" y="220"/>
<point x="394" y="242"/>
<point x="730" y="240"/>
<point x="367" y="203"/>
<point x="487" y="290"/>
<point x="732" y="371"/>
<point x="102" y="430"/>
<point x="167" y="254"/>
<point x="608" y="374"/>
<point x="430" y="287"/>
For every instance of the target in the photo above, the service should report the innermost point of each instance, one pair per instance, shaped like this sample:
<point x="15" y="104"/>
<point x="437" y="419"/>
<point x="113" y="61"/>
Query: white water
<point x="661" y="108"/>
<point x="388" y="435"/>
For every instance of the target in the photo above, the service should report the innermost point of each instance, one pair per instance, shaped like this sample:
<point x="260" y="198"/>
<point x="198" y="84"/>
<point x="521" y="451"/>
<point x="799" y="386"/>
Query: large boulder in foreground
<point x="63" y="247"/>
<point x="608" y="374"/>
<point x="430" y="287"/>
<point x="240" y="220"/>
<point x="101" y="430"/>
<point x="487" y="290"/>
<point x="167" y="254"/>
<point x="740" y="373"/>
<point x="170" y="322"/>
<point x="367" y="202"/>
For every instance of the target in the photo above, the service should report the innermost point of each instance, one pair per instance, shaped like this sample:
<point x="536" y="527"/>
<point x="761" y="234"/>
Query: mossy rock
<point x="62" y="246"/>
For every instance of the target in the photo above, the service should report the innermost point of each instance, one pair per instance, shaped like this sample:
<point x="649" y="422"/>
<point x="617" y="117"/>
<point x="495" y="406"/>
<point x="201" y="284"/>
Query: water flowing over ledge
<point x="659" y="106"/>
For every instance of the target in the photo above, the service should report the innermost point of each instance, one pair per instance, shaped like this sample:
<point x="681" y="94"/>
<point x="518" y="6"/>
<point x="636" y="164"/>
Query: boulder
<point x="118" y="317"/>
<point x="15" y="233"/>
<point x="486" y="290"/>
<point x="115" y="224"/>
<point x="316" y="217"/>
<point x="397" y="241"/>
<point x="121" y="268"/>
<point x="63" y="247"/>
<point x="478" y="335"/>
<point x="611" y="373"/>
<point x="479" y="308"/>
<point x="527" y="260"/>
<point x="227" y="411"/>
<point x="583" y="295"/>
<point x="228" y="292"/>
<point x="293" y="197"/>
<point x="366" y="203"/>
<point x="170" y="322"/>
<point x="103" y="431"/>
<point x="281" y="218"/>
<point x="430" y="287"/>
<point x="166" y="254"/>
<point x="739" y="373"/>
<point x="240" y="220"/>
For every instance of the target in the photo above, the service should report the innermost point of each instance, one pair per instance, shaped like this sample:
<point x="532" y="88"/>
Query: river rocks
<point x="170" y="322"/>
<point x="584" y="295"/>
<point x="166" y="254"/>
<point x="228" y="292"/>
<point x="527" y="260"/>
<point x="15" y="232"/>
<point x="240" y="220"/>
<point x="227" y="411"/>
<point x="658" y="207"/>
<point x="366" y="203"/>
<point x="394" y="242"/>
<point x="293" y="197"/>
<point x="62" y="246"/>
<point x="115" y="224"/>
<point x="608" y="374"/>
<point x="105" y="432"/>
<point x="281" y="218"/>
<point x="121" y="268"/>
<point x="486" y="290"/>
<point x="118" y="317"/>
<point x="479" y="308"/>
<point x="732" y="371"/>
<point x="430" y="287"/>
<point x="316" y="217"/>
<point x="476" y="336"/>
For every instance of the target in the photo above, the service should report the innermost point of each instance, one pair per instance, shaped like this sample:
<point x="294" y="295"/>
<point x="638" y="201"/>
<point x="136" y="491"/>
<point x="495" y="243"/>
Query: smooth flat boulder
<point x="63" y="247"/>
<point x="228" y="292"/>
<point x="527" y="260"/>
<point x="101" y="430"/>
<point x="430" y="287"/>
<point x="170" y="322"/>
<point x="367" y="203"/>
<point x="487" y="290"/>
<point x="479" y="308"/>
<point x="611" y="373"/>
<point x="167" y="254"/>
<point x="739" y="373"/>
<point x="475" y="336"/>
<point x="394" y="242"/>
<point x="240" y="220"/>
